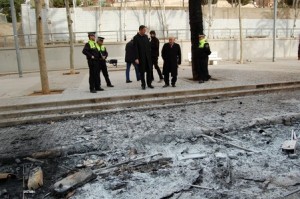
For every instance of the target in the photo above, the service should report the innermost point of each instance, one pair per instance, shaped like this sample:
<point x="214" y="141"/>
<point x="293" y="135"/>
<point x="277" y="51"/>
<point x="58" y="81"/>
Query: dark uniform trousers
<point x="103" y="68"/>
<point x="203" y="68"/>
<point x="94" y="79"/>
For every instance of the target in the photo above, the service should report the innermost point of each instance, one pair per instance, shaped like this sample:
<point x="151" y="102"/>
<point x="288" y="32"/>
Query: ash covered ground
<point x="195" y="151"/>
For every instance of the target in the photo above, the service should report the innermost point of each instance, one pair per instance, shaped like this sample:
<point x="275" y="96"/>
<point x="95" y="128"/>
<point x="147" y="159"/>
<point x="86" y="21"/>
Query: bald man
<point x="171" y="54"/>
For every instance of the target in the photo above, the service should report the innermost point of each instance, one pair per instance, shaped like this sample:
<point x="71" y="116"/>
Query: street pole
<point x="41" y="47"/>
<point x="16" y="38"/>
<point x="274" y="30"/>
<point x="241" y="34"/>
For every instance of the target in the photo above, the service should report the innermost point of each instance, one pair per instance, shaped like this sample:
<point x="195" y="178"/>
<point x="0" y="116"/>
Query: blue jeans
<point x="128" y="64"/>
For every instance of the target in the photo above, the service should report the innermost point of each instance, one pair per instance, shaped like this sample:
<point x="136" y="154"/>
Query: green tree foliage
<point x="205" y="2"/>
<point x="290" y="3"/>
<point x="5" y="5"/>
<point x="236" y="2"/>
<point x="61" y="3"/>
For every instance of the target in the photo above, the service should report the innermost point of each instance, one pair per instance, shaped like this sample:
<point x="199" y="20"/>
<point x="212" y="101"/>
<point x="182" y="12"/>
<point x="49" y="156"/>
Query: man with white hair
<point x="171" y="54"/>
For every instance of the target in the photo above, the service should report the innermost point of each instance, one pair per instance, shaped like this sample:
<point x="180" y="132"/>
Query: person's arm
<point x="136" y="50"/>
<point x="163" y="52"/>
<point x="179" y="55"/>
<point x="86" y="51"/>
<point x="207" y="49"/>
<point x="105" y="53"/>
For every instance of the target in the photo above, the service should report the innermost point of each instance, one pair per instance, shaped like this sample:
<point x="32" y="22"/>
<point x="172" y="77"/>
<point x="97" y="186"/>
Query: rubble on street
<point x="216" y="149"/>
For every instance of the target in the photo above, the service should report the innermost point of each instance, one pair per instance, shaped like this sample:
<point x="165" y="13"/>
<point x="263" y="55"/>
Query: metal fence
<point x="28" y="40"/>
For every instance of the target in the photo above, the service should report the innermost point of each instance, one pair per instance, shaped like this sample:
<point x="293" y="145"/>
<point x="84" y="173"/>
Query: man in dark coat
<point x="129" y="59"/>
<point x="171" y="54"/>
<point x="143" y="56"/>
<point x="203" y="52"/>
<point x="155" y="53"/>
<point x="91" y="51"/>
<point x="103" y="67"/>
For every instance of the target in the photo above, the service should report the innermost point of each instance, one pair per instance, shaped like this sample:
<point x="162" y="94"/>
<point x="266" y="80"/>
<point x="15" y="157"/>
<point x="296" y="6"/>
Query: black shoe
<point x="100" y="89"/>
<point x="128" y="81"/>
<point x="201" y="82"/>
<point x="166" y="85"/>
<point x="173" y="85"/>
<point x="93" y="91"/>
<point x="150" y="86"/>
<point x="110" y="85"/>
<point x="144" y="87"/>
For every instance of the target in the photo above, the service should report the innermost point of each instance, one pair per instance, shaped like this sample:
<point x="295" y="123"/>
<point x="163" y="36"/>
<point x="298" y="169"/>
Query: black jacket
<point x="171" y="57"/>
<point x="129" y="52"/>
<point x="89" y="52"/>
<point x="205" y="51"/>
<point x="142" y="52"/>
<point x="154" y="47"/>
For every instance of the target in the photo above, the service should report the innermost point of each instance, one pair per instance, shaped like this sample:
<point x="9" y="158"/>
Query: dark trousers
<point x="148" y="76"/>
<point x="155" y="63"/>
<point x="203" y="68"/>
<point x="94" y="75"/>
<point x="98" y="80"/>
<point x="103" y="67"/>
<point x="167" y="79"/>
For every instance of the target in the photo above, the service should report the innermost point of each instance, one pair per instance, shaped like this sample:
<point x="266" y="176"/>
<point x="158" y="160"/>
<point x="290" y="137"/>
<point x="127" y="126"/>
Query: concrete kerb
<point x="127" y="106"/>
<point x="147" y="96"/>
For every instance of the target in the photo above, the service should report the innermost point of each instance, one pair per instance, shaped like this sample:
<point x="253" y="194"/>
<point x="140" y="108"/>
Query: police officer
<point x="203" y="52"/>
<point x="103" y="67"/>
<point x="91" y="51"/>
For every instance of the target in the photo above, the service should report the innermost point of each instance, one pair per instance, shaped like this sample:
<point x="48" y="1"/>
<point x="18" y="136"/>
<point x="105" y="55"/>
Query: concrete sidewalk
<point x="17" y="91"/>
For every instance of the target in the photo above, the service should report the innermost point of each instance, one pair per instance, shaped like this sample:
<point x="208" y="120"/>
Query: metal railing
<point x="28" y="40"/>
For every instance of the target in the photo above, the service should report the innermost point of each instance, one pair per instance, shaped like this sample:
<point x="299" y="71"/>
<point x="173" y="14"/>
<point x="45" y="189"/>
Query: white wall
<point x="114" y="24"/>
<point x="228" y="49"/>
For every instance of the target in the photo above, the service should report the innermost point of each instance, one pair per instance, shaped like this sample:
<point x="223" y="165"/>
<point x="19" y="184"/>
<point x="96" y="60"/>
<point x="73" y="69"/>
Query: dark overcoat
<point x="129" y="52"/>
<point x="142" y="52"/>
<point x="171" y="57"/>
<point x="154" y="47"/>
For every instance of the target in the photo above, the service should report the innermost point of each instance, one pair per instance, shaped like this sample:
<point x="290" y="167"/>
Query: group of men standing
<point x="143" y="53"/>
<point x="146" y="55"/>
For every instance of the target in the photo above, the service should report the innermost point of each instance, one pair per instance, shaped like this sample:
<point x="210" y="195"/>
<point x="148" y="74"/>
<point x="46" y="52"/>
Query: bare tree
<point x="71" y="34"/>
<point x="41" y="48"/>
<point x="196" y="26"/>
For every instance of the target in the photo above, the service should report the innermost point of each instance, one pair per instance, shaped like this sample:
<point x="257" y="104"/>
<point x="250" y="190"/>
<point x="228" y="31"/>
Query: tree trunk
<point x="67" y="4"/>
<point x="41" y="48"/>
<point x="196" y="26"/>
<point x="241" y="34"/>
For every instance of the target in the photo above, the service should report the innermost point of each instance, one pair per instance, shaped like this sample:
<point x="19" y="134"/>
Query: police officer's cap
<point x="100" y="38"/>
<point x="91" y="34"/>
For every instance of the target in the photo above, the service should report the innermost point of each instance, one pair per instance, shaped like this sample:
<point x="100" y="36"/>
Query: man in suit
<point x="129" y="59"/>
<point x="155" y="54"/>
<point x="171" y="54"/>
<point x="142" y="56"/>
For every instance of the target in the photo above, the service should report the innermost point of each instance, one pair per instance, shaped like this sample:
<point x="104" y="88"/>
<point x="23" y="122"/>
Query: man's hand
<point x="93" y="57"/>
<point x="137" y="61"/>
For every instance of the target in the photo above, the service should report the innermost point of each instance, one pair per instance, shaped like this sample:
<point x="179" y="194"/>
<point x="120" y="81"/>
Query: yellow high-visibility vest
<point x="94" y="45"/>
